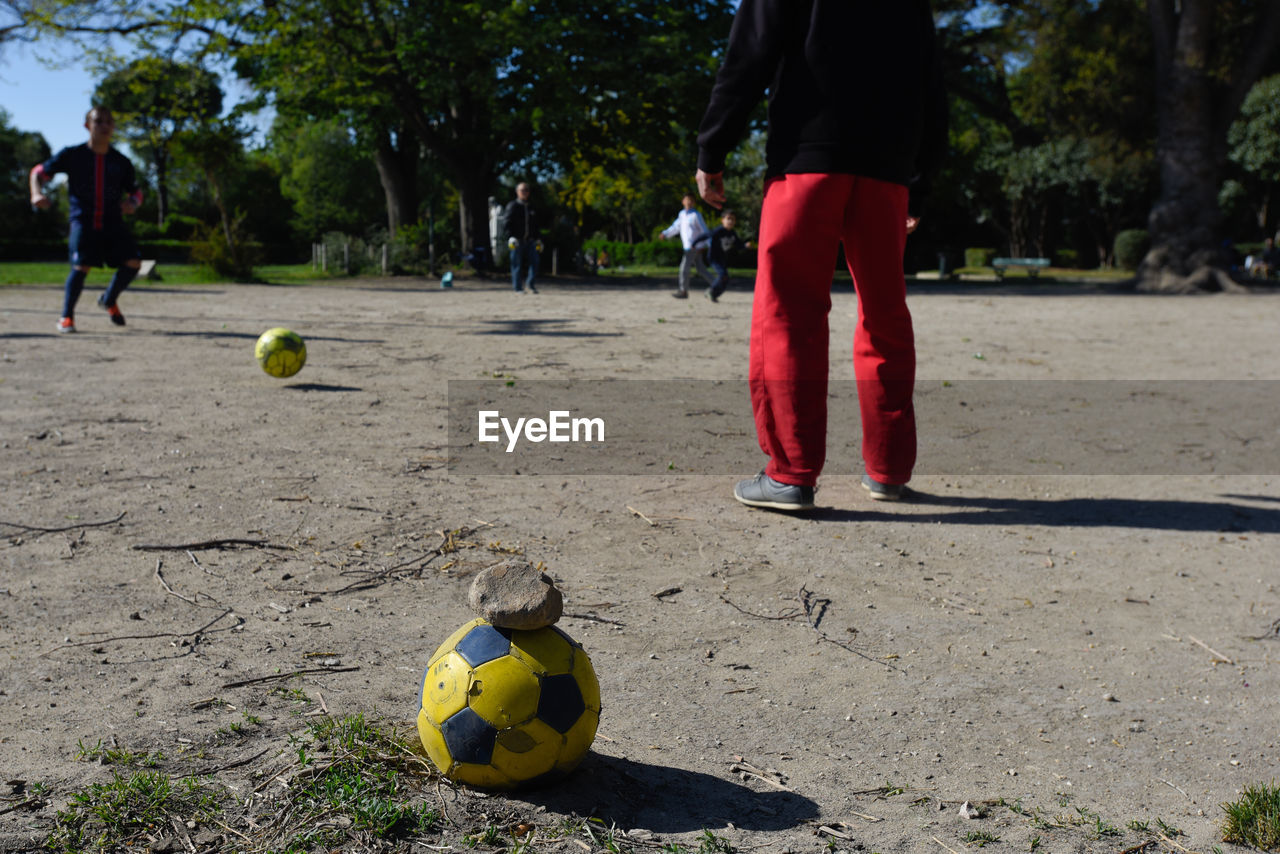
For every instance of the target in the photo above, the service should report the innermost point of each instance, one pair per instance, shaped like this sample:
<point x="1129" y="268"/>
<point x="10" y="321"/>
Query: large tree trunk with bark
<point x="1195" y="109"/>
<point x="398" y="173"/>
<point x="473" y="209"/>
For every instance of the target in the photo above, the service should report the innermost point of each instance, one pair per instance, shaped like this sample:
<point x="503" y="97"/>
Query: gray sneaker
<point x="883" y="491"/>
<point x="764" y="491"/>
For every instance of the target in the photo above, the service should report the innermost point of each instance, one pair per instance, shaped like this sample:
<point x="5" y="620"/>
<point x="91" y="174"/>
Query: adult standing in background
<point x="857" y="123"/>
<point x="523" y="240"/>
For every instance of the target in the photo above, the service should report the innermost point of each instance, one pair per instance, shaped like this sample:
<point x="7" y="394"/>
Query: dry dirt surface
<point x="198" y="560"/>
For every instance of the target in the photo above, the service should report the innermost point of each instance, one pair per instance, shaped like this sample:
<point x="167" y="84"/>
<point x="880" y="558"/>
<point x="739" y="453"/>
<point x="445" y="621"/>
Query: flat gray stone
<point x="515" y="594"/>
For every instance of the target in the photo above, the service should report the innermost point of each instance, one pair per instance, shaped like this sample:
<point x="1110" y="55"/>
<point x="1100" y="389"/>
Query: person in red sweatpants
<point x="857" y="123"/>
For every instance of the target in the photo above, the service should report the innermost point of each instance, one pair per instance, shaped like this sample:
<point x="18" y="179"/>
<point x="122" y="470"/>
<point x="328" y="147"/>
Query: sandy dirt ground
<point x="1071" y="654"/>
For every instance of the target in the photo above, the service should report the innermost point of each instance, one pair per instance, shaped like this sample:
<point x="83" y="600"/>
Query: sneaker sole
<point x="881" y="496"/>
<point x="772" y="505"/>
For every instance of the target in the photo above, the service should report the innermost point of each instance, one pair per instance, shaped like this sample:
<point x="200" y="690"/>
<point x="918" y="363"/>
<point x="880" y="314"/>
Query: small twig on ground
<point x="785" y="615"/>
<point x="1215" y="653"/>
<point x="745" y="768"/>
<point x="595" y="618"/>
<point x="190" y="634"/>
<point x="1167" y="841"/>
<point x="1171" y="786"/>
<point x="276" y="676"/>
<point x="41" y="530"/>
<point x="207" y="544"/>
<point x="831" y="831"/>
<point x="231" y="765"/>
<point x="1141" y="846"/>
<point x="1273" y="631"/>
<point x="652" y="523"/>
<point x="169" y="589"/>
<point x="805" y="599"/>
<point x="945" y="845"/>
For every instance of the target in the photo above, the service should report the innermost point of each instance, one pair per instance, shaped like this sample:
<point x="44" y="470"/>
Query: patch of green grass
<point x="117" y="755"/>
<point x="118" y="814"/>
<point x="709" y="843"/>
<point x="55" y="273"/>
<point x="1254" y="818"/>
<point x="358" y="771"/>
<point x="980" y="838"/>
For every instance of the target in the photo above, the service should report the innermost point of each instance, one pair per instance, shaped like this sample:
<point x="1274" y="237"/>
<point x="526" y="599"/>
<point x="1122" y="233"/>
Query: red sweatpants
<point x="804" y="220"/>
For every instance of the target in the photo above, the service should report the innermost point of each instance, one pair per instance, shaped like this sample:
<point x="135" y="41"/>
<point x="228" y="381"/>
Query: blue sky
<point x="53" y="101"/>
<point x="39" y="99"/>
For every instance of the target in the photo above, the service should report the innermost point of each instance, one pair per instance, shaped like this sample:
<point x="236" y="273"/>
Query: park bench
<point x="1032" y="265"/>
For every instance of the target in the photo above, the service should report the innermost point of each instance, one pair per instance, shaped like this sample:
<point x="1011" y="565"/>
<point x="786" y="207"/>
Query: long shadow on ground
<point x="1159" y="514"/>
<point x="669" y="800"/>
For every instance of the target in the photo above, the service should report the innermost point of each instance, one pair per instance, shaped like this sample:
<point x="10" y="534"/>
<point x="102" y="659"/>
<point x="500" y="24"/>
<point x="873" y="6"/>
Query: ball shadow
<point x="662" y="799"/>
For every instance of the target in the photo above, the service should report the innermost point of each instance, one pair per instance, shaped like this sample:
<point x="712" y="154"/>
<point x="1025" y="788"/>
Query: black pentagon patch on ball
<point x="469" y="737"/>
<point x="483" y="643"/>
<point x="560" y="702"/>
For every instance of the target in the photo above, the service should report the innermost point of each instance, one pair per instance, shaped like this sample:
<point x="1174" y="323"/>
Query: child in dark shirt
<point x="723" y="241"/>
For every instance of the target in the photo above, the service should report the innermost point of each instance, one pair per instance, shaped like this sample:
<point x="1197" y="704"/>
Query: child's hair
<point x="726" y="213"/>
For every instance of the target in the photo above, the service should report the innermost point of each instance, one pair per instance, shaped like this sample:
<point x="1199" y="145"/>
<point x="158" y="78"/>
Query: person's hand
<point x="41" y="201"/>
<point x="913" y="222"/>
<point x="711" y="188"/>
<point x="128" y="206"/>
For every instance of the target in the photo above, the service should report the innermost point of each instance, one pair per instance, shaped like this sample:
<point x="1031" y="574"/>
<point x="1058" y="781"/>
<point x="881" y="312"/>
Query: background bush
<point x="1130" y="247"/>
<point x="977" y="257"/>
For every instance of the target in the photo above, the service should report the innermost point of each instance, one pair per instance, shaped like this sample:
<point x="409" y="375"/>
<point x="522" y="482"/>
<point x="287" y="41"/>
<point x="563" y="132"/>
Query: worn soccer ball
<point x="502" y="708"/>
<point x="281" y="352"/>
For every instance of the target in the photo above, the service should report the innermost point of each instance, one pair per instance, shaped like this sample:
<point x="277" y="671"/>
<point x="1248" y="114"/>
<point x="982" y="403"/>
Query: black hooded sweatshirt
<point x="855" y="87"/>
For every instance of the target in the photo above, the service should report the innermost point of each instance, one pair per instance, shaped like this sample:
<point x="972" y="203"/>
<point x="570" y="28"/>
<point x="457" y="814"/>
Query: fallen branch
<point x="230" y="765"/>
<point x="41" y="530"/>
<point x="277" y="676"/>
<point x="190" y="634"/>
<point x="207" y="544"/>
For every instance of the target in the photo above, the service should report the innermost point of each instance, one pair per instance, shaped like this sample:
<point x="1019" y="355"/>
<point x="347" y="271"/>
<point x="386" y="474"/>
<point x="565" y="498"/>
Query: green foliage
<point x="1130" y="247"/>
<point x="19" y="151"/>
<point x="656" y="253"/>
<point x="119" y="814"/>
<point x="327" y="176"/>
<point x="974" y="257"/>
<point x="1255" y="136"/>
<point x="155" y="100"/>
<point x="225" y="250"/>
<point x="1254" y="818"/>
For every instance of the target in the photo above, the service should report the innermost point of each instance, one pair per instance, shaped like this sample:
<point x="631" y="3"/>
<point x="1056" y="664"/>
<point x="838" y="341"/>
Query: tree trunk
<point x="473" y="209"/>
<point x="1194" y="112"/>
<point x="162" y="186"/>
<point x="397" y="171"/>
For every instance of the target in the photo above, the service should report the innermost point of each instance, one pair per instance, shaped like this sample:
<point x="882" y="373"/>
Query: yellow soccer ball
<point x="502" y="708"/>
<point x="281" y="352"/>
